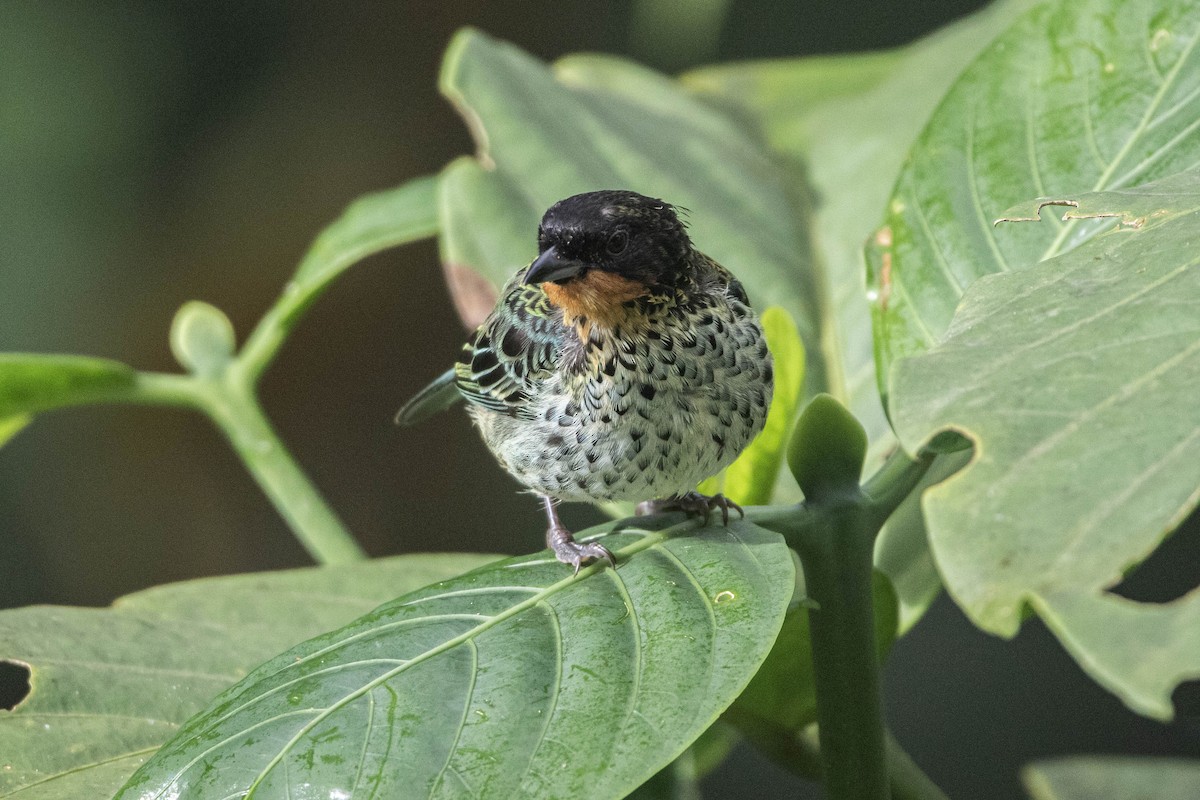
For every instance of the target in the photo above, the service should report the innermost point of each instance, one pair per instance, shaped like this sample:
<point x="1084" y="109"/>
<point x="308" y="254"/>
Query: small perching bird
<point x="622" y="364"/>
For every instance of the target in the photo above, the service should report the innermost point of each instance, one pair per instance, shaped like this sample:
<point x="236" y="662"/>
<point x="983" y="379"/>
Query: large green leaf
<point x="1074" y="97"/>
<point x="110" y="685"/>
<point x="1077" y="381"/>
<point x="1113" y="778"/>
<point x="840" y="127"/>
<point x="596" y="123"/>
<point x="516" y="680"/>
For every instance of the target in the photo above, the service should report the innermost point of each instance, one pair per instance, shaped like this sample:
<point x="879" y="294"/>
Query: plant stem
<point x="908" y="781"/>
<point x="836" y="553"/>
<point x="834" y="534"/>
<point x="237" y="413"/>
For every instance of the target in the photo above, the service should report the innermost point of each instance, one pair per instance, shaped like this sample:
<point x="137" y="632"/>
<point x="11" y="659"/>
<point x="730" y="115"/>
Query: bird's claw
<point x="576" y="554"/>
<point x="692" y="504"/>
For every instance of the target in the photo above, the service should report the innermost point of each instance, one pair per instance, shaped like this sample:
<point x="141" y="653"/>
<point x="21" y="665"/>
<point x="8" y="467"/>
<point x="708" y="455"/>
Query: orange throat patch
<point x="598" y="298"/>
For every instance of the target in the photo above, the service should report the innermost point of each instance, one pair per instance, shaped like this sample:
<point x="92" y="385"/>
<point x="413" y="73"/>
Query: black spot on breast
<point x="609" y="367"/>
<point x="647" y="391"/>
<point x="554" y="440"/>
<point x="768" y="374"/>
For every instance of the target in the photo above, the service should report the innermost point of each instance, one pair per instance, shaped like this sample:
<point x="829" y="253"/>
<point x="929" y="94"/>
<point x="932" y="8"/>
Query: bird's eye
<point x="617" y="242"/>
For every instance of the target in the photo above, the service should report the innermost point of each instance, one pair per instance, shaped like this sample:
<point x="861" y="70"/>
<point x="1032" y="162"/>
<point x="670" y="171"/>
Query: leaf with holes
<point x="1074" y="97"/>
<point x="516" y="680"/>
<point x="1077" y="381"/>
<point x="110" y="685"/>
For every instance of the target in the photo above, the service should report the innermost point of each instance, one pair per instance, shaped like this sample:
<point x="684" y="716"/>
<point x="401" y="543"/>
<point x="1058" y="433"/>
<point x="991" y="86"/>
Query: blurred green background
<point x="152" y="153"/>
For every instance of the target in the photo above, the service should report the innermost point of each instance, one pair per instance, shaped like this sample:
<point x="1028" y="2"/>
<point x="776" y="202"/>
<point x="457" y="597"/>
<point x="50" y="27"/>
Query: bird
<point x="621" y="364"/>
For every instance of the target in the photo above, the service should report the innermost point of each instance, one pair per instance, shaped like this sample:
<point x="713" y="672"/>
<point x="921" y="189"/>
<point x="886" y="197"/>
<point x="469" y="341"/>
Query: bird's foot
<point x="692" y="504"/>
<point x="573" y="553"/>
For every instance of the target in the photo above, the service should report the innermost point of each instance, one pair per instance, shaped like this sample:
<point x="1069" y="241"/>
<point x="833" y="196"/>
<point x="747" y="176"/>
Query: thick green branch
<point x="836" y="553"/>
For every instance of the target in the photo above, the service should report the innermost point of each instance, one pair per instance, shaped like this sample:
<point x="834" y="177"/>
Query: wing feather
<point x="515" y="348"/>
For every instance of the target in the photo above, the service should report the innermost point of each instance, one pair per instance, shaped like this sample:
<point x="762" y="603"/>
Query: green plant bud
<point x="827" y="449"/>
<point x="202" y="338"/>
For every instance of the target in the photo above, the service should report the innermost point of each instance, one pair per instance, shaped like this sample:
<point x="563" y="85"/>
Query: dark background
<point x="152" y="153"/>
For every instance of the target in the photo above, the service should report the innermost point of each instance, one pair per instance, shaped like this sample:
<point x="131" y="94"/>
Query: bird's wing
<point x="714" y="274"/>
<point x="437" y="396"/>
<point x="515" y="348"/>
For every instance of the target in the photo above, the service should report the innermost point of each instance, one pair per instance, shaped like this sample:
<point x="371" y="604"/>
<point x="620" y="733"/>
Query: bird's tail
<point x="437" y="396"/>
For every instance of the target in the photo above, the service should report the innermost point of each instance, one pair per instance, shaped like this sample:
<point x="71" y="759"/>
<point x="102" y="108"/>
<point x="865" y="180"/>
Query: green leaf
<point x="822" y="119"/>
<point x="1077" y="381"/>
<point x="1075" y="96"/>
<point x="12" y="425"/>
<point x="827" y="449"/>
<point x="1113" y="778"/>
<point x="902" y="548"/>
<point x="111" y="685"/>
<point x="750" y="480"/>
<point x="516" y="680"/>
<point x="202" y="338"/>
<point x="592" y="122"/>
<point x="31" y="383"/>
<point x="370" y="224"/>
<point x="839" y="128"/>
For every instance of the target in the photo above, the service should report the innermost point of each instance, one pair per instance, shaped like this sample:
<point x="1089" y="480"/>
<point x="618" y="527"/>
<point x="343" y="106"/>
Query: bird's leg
<point x="565" y="548"/>
<point x="691" y="503"/>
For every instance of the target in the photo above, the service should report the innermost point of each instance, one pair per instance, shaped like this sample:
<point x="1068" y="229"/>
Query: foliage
<point x="1043" y="371"/>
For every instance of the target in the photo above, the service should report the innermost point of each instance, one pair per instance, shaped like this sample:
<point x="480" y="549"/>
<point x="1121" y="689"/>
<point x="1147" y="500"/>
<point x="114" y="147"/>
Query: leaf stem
<point x="894" y="481"/>
<point x="233" y="407"/>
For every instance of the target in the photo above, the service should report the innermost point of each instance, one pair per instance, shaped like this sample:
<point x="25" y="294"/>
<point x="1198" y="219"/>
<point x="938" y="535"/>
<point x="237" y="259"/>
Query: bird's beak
<point x="550" y="267"/>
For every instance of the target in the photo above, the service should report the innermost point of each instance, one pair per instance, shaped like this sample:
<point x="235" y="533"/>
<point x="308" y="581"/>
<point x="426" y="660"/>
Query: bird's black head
<point x="638" y="238"/>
